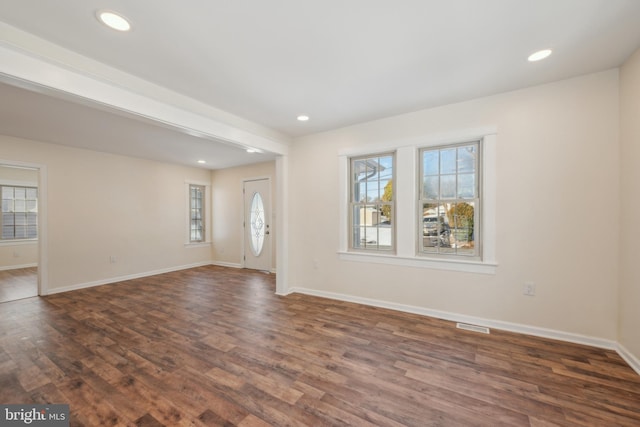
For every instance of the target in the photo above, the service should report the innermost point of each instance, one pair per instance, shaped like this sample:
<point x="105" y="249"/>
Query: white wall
<point x="557" y="204"/>
<point x="101" y="205"/>
<point x="558" y="198"/>
<point x="629" y="335"/>
<point x="19" y="255"/>
<point x="228" y="211"/>
<point x="24" y="253"/>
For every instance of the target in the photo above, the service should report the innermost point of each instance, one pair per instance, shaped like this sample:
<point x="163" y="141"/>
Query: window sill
<point x="197" y="244"/>
<point x="421" y="262"/>
<point x="18" y="242"/>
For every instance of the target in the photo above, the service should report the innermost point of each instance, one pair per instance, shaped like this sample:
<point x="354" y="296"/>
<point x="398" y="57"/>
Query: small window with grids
<point x="196" y="207"/>
<point x="19" y="212"/>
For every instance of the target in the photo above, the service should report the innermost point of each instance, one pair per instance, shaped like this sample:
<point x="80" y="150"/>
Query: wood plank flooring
<point x="18" y="283"/>
<point x="214" y="346"/>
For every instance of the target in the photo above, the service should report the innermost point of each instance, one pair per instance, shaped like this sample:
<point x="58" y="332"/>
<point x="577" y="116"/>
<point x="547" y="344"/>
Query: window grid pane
<point x="372" y="203"/>
<point x="196" y="204"/>
<point x="449" y="199"/>
<point x="19" y="212"/>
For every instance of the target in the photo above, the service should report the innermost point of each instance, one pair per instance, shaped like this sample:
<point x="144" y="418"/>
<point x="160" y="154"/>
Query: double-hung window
<point x="449" y="200"/>
<point x="372" y="202"/>
<point x="19" y="212"/>
<point x="428" y="202"/>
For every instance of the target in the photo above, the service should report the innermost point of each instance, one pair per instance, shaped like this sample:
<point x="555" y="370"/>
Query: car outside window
<point x="449" y="200"/>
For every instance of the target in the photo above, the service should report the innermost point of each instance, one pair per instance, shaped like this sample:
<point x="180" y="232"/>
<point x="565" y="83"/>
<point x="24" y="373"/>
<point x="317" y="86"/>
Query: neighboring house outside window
<point x="372" y="202"/>
<point x="449" y="200"/>
<point x="19" y="212"/>
<point x="197" y="213"/>
<point x="427" y="202"/>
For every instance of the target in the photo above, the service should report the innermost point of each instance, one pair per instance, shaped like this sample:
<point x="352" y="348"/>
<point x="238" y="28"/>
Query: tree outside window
<point x="450" y="199"/>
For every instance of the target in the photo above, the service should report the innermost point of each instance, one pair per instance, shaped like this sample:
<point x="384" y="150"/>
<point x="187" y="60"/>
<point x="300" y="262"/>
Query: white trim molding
<point x="421" y="262"/>
<point x="455" y="317"/>
<point x="16" y="267"/>
<point x="124" y="278"/>
<point x="281" y="216"/>
<point x="208" y="208"/>
<point x="406" y="251"/>
<point x="633" y="361"/>
<point x="197" y="245"/>
<point x="237" y="265"/>
<point x="226" y="264"/>
<point x="19" y="242"/>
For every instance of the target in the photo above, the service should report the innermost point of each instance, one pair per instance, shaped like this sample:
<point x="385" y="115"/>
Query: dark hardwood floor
<point x="215" y="346"/>
<point x="19" y="283"/>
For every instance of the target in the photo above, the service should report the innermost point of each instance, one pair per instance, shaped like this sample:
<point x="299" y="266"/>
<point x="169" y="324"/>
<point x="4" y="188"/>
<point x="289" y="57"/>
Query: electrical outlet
<point x="529" y="289"/>
<point x="112" y="259"/>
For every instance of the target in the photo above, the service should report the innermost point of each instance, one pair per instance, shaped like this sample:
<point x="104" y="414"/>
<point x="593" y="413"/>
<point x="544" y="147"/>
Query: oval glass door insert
<point x="257" y="224"/>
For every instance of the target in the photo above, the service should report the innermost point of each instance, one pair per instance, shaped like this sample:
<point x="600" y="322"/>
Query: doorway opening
<point x="20" y="231"/>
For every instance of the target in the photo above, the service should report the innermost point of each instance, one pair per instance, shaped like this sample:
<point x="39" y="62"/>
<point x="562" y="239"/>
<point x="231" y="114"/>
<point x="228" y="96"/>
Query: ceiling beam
<point x="35" y="64"/>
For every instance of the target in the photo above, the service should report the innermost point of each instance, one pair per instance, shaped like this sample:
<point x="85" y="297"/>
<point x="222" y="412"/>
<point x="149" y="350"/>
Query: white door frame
<point x="43" y="264"/>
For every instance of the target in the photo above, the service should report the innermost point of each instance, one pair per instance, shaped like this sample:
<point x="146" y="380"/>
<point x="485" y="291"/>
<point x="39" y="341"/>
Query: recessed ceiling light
<point x="202" y="162"/>
<point x="251" y="150"/>
<point x="113" y="20"/>
<point x="541" y="54"/>
<point x="303" y="118"/>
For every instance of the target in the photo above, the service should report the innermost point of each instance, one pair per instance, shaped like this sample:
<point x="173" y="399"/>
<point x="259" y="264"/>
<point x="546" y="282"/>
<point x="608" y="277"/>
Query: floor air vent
<point x="473" y="328"/>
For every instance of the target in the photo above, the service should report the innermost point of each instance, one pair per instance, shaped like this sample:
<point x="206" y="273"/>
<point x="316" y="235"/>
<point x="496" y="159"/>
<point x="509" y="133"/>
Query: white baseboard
<point x="15" y="267"/>
<point x="123" y="278"/>
<point x="633" y="361"/>
<point x="235" y="265"/>
<point x="455" y="317"/>
<point x="226" y="264"/>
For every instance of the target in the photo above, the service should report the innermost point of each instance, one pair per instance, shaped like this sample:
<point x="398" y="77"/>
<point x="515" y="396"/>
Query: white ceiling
<point x="41" y="117"/>
<point x="341" y="62"/>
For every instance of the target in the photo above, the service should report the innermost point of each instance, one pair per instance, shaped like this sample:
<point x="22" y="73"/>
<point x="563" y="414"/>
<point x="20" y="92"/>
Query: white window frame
<point x="477" y="200"/>
<point x="17" y="240"/>
<point x="353" y="203"/>
<point x="406" y="226"/>
<point x="206" y="214"/>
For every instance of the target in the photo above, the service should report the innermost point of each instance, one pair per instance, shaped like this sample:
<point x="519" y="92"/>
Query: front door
<point x="257" y="220"/>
